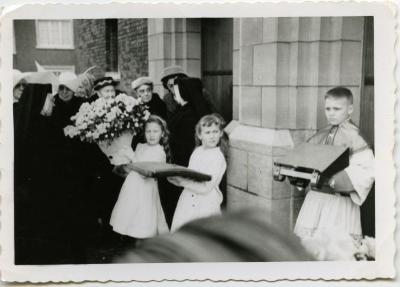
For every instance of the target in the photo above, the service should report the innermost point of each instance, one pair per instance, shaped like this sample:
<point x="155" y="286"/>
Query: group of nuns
<point x="64" y="188"/>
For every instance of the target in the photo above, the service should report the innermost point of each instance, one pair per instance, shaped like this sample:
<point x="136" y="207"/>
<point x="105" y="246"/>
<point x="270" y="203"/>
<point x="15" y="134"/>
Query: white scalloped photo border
<point x="385" y="88"/>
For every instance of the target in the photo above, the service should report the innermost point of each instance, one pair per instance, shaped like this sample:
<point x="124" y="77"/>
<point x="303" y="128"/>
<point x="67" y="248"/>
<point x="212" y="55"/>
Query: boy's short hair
<point x="340" y="92"/>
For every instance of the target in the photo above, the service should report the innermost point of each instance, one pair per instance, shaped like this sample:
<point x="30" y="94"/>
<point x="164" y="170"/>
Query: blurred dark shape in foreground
<point x="245" y="236"/>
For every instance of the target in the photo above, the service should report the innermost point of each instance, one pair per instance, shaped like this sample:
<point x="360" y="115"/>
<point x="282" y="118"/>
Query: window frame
<point x="55" y="47"/>
<point x="57" y="69"/>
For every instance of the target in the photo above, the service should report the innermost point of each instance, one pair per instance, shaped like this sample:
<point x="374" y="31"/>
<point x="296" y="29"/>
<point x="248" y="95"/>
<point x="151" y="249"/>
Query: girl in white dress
<point x="202" y="199"/>
<point x="138" y="212"/>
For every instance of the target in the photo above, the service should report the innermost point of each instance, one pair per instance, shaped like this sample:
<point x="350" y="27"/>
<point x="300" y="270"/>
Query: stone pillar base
<point x="250" y="184"/>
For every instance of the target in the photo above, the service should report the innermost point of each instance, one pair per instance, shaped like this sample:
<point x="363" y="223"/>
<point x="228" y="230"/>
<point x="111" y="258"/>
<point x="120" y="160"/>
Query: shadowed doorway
<point x="217" y="41"/>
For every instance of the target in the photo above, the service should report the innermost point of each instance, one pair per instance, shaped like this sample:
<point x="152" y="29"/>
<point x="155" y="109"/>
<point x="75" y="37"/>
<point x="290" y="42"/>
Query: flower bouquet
<point x="111" y="123"/>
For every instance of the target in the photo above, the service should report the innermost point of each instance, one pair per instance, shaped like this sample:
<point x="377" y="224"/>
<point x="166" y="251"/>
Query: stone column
<point x="174" y="42"/>
<point x="282" y="69"/>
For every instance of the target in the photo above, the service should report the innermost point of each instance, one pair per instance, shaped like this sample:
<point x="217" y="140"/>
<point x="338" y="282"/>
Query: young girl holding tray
<point x="202" y="199"/>
<point x="138" y="212"/>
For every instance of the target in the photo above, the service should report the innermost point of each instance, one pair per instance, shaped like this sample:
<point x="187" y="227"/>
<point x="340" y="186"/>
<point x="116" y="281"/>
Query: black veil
<point x="191" y="90"/>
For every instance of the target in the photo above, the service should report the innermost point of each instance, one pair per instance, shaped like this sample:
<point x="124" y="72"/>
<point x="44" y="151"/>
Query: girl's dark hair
<point x="209" y="120"/>
<point x="164" y="141"/>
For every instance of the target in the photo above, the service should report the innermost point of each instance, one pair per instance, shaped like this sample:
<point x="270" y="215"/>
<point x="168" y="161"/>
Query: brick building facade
<point x="95" y="47"/>
<point x="27" y="49"/>
<point x="117" y="46"/>
<point x="132" y="50"/>
<point x="91" y="43"/>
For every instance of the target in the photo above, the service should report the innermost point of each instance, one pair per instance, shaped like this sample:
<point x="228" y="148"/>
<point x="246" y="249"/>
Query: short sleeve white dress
<point x="138" y="212"/>
<point x="201" y="199"/>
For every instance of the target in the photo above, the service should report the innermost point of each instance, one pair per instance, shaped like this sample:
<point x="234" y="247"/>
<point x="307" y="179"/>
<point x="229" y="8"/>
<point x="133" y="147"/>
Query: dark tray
<point x="159" y="169"/>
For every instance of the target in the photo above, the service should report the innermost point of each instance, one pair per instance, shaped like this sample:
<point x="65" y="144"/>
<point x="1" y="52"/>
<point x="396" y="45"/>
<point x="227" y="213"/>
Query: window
<point x="57" y="70"/>
<point x="54" y="34"/>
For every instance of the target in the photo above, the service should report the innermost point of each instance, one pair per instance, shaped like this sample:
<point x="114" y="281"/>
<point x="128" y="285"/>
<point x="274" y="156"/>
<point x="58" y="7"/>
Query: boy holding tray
<point x="336" y="206"/>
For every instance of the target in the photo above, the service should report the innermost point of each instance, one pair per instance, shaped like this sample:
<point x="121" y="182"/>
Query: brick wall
<point x="90" y="44"/>
<point x="132" y="47"/>
<point x="133" y="50"/>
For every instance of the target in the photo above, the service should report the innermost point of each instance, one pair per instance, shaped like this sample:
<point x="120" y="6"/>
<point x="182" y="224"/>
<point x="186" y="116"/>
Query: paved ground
<point x="107" y="248"/>
<point x="37" y="242"/>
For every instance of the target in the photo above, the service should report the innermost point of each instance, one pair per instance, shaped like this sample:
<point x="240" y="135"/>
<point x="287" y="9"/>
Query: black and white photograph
<point x="168" y="140"/>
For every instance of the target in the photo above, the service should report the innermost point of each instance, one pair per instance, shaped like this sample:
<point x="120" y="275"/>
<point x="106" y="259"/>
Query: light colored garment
<point x="201" y="199"/>
<point x="323" y="211"/>
<point x="138" y="211"/>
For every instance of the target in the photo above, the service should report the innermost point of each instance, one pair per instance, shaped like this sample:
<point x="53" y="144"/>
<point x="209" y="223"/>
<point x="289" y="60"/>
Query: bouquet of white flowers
<point x="111" y="123"/>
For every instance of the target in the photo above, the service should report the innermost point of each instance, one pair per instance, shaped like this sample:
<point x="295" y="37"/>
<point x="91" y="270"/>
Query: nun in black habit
<point x="64" y="202"/>
<point x="27" y="145"/>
